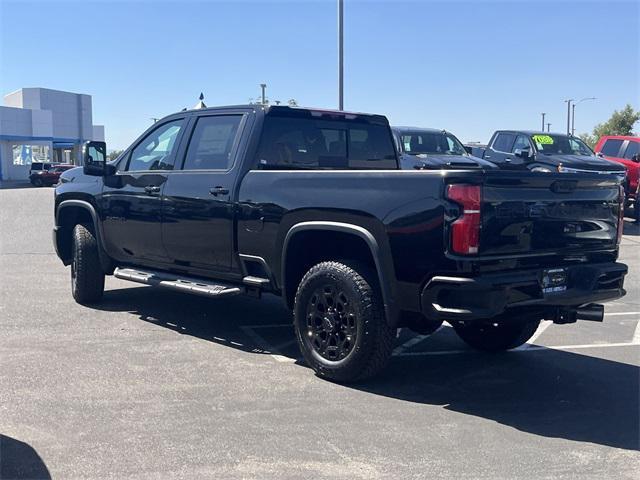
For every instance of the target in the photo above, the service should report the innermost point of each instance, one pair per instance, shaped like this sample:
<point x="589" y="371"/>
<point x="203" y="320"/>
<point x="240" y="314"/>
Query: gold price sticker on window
<point x="543" y="139"/>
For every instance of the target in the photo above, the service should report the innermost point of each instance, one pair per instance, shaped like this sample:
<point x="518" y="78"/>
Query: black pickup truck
<point x="312" y="205"/>
<point x="543" y="152"/>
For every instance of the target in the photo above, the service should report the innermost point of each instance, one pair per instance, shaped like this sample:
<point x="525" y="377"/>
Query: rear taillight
<point x="620" y="215"/>
<point x="465" y="230"/>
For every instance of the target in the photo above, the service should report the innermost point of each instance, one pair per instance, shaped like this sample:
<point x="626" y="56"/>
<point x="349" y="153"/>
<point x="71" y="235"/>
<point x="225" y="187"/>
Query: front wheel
<point x="496" y="335"/>
<point x="340" y="323"/>
<point x="37" y="182"/>
<point x="87" y="277"/>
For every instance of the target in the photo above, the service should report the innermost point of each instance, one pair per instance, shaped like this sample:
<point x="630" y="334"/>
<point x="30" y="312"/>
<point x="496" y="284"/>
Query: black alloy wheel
<point x="332" y="329"/>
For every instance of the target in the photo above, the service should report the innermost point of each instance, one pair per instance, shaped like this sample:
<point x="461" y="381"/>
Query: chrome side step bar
<point x="176" y="282"/>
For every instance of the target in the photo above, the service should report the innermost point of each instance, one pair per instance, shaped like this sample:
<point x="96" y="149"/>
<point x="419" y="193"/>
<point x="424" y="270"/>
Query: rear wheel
<point x="340" y="323"/>
<point x="37" y="182"/>
<point x="496" y="335"/>
<point x="87" y="277"/>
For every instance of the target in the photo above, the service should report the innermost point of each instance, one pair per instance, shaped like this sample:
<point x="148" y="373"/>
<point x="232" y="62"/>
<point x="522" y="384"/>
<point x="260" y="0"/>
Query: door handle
<point x="152" y="189"/>
<point x="215" y="191"/>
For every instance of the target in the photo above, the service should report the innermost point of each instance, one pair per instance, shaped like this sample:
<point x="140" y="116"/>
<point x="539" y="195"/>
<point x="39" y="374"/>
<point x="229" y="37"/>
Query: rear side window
<point x="611" y="147"/>
<point x="633" y="148"/>
<point x="212" y="142"/>
<point x="504" y="142"/>
<point x="325" y="144"/>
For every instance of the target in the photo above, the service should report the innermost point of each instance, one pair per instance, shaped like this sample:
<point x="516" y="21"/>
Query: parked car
<point x="544" y="152"/>
<point x="311" y="205"/>
<point x="428" y="148"/>
<point x="48" y="176"/>
<point x="624" y="150"/>
<point x="37" y="166"/>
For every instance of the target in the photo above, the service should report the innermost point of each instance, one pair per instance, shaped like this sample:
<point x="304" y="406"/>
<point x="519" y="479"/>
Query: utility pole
<point x="543" y="114"/>
<point x="263" y="86"/>
<point x="548" y="127"/>
<point x="573" y="114"/>
<point x="568" y="102"/>
<point x="340" y="54"/>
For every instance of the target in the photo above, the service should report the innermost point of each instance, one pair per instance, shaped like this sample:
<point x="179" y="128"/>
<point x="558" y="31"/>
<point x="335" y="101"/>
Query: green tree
<point x="620" y="123"/>
<point x="113" y="154"/>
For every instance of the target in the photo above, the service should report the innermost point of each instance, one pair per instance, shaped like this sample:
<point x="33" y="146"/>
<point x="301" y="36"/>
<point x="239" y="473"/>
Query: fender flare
<point x="104" y="258"/>
<point x="385" y="278"/>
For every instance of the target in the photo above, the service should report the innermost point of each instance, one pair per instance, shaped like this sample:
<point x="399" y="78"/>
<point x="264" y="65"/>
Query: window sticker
<point x="543" y="139"/>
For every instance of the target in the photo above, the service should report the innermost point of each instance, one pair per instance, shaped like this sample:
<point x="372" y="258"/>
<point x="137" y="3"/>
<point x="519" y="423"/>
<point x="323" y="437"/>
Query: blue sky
<point x="469" y="67"/>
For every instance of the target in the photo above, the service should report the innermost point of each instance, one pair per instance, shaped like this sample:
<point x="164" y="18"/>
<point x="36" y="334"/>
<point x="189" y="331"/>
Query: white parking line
<point x="409" y="343"/>
<point x="636" y="334"/>
<point x="265" y="346"/>
<point x="541" y="328"/>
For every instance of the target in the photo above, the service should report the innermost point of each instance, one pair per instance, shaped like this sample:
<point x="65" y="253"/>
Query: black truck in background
<point x="543" y="152"/>
<point x="311" y="205"/>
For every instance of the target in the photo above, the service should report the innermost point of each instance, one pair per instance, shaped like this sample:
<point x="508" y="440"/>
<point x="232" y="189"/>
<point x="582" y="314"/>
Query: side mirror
<point x="636" y="157"/>
<point x="521" y="152"/>
<point x="94" y="155"/>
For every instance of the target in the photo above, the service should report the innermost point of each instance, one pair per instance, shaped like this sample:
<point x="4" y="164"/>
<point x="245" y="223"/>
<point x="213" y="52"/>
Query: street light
<point x="568" y="102"/>
<point x="340" y="55"/>
<point x="543" y="114"/>
<point x="548" y="127"/>
<point x="573" y="113"/>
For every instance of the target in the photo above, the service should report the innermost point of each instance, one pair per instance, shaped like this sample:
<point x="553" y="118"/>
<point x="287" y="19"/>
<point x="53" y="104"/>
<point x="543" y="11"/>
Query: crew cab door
<point x="499" y="151"/>
<point x="132" y="198"/>
<point x="198" y="206"/>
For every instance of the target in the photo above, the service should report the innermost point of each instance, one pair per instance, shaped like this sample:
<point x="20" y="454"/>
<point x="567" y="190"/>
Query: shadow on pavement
<point x="14" y="185"/>
<point x="20" y="461"/>
<point x="550" y="393"/>
<point x="630" y="227"/>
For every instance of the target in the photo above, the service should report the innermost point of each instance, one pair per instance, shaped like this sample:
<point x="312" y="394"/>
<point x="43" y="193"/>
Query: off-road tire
<point x="87" y="276"/>
<point x="374" y="338"/>
<point x="496" y="335"/>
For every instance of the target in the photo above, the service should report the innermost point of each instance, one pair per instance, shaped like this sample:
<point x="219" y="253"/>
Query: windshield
<point x="441" y="143"/>
<point x="560" y="145"/>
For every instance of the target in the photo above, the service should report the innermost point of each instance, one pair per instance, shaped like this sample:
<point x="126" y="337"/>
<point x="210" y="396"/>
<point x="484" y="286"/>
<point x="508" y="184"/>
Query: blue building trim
<point x="23" y="138"/>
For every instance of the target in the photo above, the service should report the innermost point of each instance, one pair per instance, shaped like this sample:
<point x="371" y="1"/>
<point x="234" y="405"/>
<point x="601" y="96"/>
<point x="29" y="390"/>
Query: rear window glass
<point x="316" y="143"/>
<point x="611" y="147"/>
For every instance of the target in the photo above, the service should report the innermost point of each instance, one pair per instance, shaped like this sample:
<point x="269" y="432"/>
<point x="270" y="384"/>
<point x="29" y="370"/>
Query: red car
<point x="624" y="150"/>
<point x="50" y="176"/>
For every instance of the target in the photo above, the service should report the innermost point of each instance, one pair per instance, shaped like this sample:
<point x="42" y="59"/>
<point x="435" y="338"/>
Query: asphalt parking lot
<point x="154" y="384"/>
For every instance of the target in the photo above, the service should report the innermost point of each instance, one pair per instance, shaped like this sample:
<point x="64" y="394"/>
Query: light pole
<point x="263" y="86"/>
<point x="573" y="114"/>
<point x="548" y="127"/>
<point x="543" y="114"/>
<point x="340" y="54"/>
<point x="568" y="102"/>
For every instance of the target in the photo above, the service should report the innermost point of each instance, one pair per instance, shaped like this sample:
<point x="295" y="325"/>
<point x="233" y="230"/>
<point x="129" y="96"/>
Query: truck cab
<point x="545" y="152"/>
<point x="430" y="148"/>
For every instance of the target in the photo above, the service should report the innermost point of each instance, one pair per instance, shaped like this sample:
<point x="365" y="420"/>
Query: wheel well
<point x="308" y="248"/>
<point x="67" y="219"/>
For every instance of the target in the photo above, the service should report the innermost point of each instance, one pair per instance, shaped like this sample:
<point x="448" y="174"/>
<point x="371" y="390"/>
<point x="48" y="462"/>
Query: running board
<point x="175" y="282"/>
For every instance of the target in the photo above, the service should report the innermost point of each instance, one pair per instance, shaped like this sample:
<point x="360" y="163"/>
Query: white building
<point x="43" y="125"/>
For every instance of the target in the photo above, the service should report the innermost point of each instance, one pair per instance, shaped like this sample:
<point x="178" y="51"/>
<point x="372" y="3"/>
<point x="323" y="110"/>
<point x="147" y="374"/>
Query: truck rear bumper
<point x="489" y="295"/>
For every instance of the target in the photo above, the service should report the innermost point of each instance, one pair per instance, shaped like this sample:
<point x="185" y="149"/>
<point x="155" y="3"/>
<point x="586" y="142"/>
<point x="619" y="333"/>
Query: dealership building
<point x="43" y="125"/>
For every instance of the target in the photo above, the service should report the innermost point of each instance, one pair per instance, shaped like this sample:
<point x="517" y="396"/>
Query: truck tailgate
<point x="538" y="213"/>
